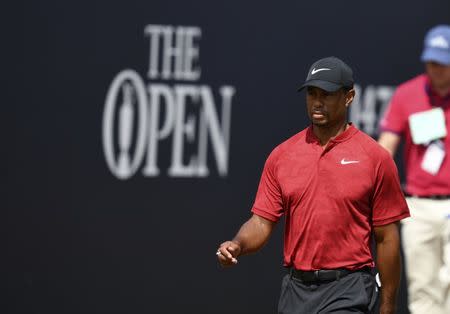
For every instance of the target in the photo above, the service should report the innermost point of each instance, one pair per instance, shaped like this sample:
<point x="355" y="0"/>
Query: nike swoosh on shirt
<point x="314" y="71"/>
<point x="346" y="162"/>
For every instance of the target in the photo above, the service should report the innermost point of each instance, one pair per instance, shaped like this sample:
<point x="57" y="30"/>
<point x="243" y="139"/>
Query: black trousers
<point x="355" y="293"/>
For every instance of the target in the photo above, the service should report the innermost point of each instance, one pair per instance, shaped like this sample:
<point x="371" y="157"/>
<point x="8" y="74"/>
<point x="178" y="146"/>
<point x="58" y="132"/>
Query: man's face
<point x="327" y="109"/>
<point x="439" y="74"/>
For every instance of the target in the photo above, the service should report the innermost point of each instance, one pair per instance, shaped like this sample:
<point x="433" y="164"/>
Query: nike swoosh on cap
<point x="314" y="71"/>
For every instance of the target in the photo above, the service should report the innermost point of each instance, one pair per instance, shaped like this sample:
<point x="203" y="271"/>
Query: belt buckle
<point x="316" y="274"/>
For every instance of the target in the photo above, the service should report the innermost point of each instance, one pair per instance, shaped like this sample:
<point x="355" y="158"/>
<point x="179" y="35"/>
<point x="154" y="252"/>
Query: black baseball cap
<point x="329" y="74"/>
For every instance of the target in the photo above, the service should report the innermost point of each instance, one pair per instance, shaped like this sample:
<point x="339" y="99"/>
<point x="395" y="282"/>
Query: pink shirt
<point x="331" y="198"/>
<point x="411" y="97"/>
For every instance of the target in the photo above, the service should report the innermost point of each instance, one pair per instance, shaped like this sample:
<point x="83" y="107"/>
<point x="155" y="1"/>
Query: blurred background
<point x="137" y="132"/>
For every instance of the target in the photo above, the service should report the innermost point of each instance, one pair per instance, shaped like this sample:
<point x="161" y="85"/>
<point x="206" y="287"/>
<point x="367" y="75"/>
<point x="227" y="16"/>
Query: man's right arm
<point x="251" y="237"/>
<point x="389" y="141"/>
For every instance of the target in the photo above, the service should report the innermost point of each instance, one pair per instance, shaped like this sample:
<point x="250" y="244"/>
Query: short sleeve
<point x="388" y="203"/>
<point x="394" y="119"/>
<point x="268" y="202"/>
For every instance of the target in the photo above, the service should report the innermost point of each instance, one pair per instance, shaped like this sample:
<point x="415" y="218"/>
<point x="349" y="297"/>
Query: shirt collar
<point x="347" y="134"/>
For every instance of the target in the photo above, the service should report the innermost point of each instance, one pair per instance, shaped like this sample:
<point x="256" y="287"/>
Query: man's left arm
<point x="389" y="265"/>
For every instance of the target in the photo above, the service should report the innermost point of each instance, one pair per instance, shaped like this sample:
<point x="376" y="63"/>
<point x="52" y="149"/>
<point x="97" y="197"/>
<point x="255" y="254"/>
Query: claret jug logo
<point x="138" y="117"/>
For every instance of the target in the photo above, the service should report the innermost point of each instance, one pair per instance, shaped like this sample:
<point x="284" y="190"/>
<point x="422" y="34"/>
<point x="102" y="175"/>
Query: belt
<point x="432" y="197"/>
<point x="323" y="274"/>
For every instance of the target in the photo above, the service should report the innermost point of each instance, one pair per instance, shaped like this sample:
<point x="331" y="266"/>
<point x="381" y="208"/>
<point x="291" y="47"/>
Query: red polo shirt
<point x="331" y="198"/>
<point x="414" y="96"/>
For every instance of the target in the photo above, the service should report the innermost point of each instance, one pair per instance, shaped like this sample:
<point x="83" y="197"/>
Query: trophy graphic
<point x="126" y="114"/>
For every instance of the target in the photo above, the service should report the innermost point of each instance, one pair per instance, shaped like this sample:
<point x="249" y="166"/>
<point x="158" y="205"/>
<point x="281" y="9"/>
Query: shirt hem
<point x="370" y="264"/>
<point x="265" y="214"/>
<point x="384" y="129"/>
<point x="387" y="221"/>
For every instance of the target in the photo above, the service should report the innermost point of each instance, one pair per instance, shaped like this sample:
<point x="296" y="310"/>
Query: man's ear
<point x="349" y="97"/>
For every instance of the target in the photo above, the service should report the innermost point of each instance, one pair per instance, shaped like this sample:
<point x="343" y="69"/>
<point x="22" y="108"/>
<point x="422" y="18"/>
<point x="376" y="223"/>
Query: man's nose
<point x="317" y="102"/>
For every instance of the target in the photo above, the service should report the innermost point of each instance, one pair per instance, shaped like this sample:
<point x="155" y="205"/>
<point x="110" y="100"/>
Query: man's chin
<point x="319" y="123"/>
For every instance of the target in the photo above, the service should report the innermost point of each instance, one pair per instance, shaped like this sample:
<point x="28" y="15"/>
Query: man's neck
<point x="442" y="91"/>
<point x="325" y="134"/>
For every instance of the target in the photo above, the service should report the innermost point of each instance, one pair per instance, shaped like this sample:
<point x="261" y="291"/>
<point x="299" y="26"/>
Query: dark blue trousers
<point x="355" y="293"/>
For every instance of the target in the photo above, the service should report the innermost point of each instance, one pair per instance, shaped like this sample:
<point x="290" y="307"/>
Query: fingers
<point x="233" y="253"/>
<point x="225" y="258"/>
<point x="225" y="261"/>
<point x="227" y="252"/>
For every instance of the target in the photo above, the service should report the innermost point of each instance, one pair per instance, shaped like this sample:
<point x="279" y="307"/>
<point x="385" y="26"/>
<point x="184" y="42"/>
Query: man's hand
<point x="227" y="253"/>
<point x="252" y="235"/>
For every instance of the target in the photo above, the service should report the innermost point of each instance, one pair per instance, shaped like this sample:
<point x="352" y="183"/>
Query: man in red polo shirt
<point x="420" y="113"/>
<point x="335" y="186"/>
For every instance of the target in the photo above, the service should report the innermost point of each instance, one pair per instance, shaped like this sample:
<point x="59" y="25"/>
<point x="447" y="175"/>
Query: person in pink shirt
<point x="418" y="109"/>
<point x="337" y="189"/>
